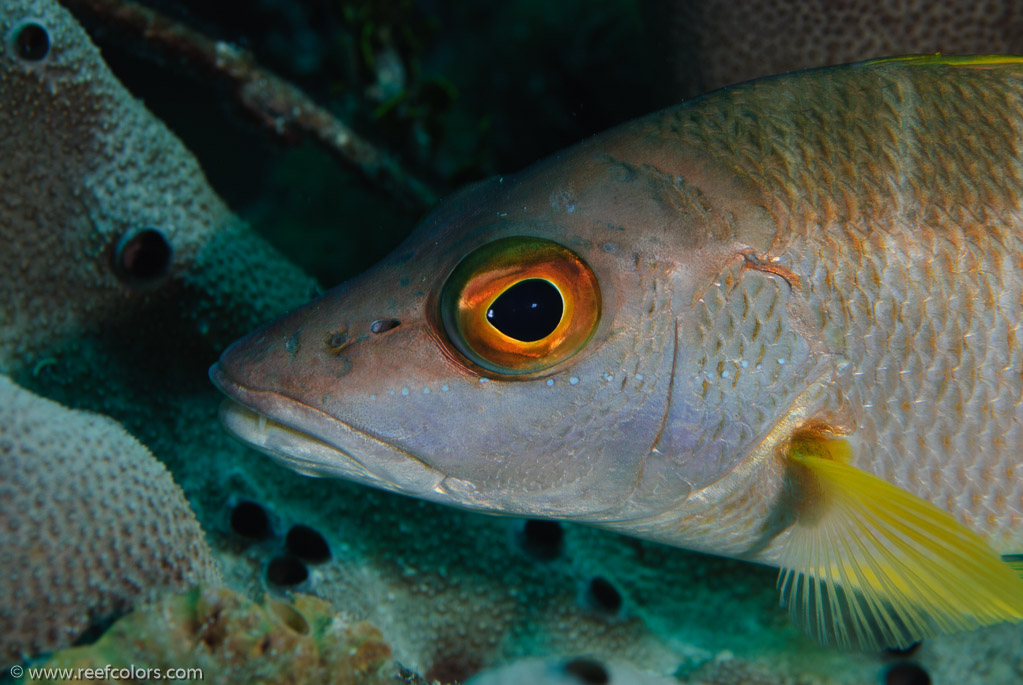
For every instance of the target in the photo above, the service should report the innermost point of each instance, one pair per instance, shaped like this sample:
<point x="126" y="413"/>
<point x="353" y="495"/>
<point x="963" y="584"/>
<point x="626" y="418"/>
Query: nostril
<point x="384" y="325"/>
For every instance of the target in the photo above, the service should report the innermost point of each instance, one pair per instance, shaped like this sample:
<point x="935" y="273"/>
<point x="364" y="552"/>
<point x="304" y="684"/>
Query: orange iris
<point x="475" y="289"/>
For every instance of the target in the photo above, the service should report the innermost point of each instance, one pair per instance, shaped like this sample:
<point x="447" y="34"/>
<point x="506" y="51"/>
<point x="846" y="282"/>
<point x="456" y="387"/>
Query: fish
<point x="779" y="322"/>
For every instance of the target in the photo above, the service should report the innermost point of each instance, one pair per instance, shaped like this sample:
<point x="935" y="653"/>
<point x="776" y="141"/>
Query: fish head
<point x="522" y="351"/>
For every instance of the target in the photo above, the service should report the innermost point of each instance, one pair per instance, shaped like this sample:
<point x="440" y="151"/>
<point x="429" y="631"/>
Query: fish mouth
<point x="313" y="443"/>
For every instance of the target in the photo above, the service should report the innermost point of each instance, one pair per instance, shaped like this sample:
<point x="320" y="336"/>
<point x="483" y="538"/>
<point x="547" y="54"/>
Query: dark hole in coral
<point x="542" y="539"/>
<point x="95" y="631"/>
<point x="384" y="325"/>
<point x="906" y="674"/>
<point x="452" y="668"/>
<point x="588" y="671"/>
<point x="32" y="42"/>
<point x="603" y="596"/>
<point x="901" y="652"/>
<point x="249" y="520"/>
<point x="306" y="544"/>
<point x="286" y="571"/>
<point x="143" y="256"/>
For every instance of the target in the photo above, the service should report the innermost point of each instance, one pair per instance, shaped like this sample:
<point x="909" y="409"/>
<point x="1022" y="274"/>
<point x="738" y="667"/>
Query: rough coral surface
<point x="90" y="522"/>
<point x="231" y="639"/>
<point x="715" y="43"/>
<point x="83" y="168"/>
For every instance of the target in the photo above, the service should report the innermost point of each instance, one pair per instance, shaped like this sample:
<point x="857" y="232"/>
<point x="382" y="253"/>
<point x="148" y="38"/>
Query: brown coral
<point x="91" y="522"/>
<point x="234" y="640"/>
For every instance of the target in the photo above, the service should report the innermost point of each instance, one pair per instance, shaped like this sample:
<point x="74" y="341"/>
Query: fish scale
<point x="903" y="357"/>
<point x="895" y="282"/>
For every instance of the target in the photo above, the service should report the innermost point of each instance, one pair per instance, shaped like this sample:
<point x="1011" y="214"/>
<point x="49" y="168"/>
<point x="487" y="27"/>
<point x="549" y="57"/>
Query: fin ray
<point x="868" y="564"/>
<point x="1015" y="562"/>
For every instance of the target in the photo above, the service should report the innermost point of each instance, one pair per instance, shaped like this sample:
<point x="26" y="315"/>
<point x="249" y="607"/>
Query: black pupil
<point x="32" y="42"/>
<point x="528" y="311"/>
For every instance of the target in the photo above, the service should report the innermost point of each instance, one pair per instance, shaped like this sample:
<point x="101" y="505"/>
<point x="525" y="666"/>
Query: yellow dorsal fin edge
<point x="870" y="565"/>
<point x="950" y="60"/>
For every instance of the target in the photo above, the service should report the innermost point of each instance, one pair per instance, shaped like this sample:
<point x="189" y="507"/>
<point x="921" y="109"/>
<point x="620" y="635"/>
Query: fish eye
<point x="520" y="305"/>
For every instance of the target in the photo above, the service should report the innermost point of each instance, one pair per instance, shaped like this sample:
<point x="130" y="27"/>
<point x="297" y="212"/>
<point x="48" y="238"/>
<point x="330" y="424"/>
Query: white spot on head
<point x="484" y="380"/>
<point x="426" y="391"/>
<point x="744" y="364"/>
<point x="639" y="377"/>
<point x="573" y="380"/>
<point x="759" y="366"/>
<point x="550" y="382"/>
<point x="444" y="388"/>
<point x="404" y="391"/>
<point x="609" y="377"/>
<point x="781" y="360"/>
<point x="724" y="374"/>
<point x="372" y="397"/>
<point x="391" y="392"/>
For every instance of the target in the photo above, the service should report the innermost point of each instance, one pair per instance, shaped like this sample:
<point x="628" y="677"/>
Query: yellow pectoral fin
<point x="869" y="565"/>
<point x="1015" y="562"/>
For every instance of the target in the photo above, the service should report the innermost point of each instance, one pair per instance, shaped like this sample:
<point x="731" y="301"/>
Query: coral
<point x="91" y="523"/>
<point x="576" y="671"/>
<point x="85" y="170"/>
<point x="715" y="43"/>
<point x="122" y="274"/>
<point x="232" y="639"/>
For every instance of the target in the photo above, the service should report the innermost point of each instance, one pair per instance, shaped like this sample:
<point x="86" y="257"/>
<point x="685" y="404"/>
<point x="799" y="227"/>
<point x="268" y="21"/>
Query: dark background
<point x="458" y="91"/>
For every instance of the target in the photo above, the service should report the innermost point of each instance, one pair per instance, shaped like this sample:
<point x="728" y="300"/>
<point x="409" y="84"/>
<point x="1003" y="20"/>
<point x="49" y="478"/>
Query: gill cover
<point x="520" y="305"/>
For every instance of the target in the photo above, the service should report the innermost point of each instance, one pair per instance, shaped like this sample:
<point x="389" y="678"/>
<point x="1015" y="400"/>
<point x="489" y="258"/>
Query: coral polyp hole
<point x="31" y="42"/>
<point x="307" y="544"/>
<point x="906" y="674"/>
<point x="384" y="325"/>
<point x="250" y="520"/>
<point x="587" y="671"/>
<point x="542" y="539"/>
<point x="452" y="668"/>
<point x="143" y="256"/>
<point x="286" y="571"/>
<point x="602" y="596"/>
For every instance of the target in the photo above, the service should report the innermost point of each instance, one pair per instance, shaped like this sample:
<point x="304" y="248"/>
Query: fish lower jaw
<point x="386" y="468"/>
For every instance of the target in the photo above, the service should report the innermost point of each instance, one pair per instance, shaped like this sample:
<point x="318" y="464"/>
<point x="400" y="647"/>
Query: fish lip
<point x="271" y="422"/>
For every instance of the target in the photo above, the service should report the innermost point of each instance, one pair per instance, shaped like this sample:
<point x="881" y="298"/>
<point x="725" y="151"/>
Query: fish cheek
<point x="743" y="360"/>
